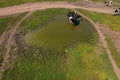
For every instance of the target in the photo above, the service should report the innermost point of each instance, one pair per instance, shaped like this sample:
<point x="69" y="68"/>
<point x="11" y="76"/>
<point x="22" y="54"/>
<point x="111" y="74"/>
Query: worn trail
<point x="45" y="5"/>
<point x="9" y="43"/>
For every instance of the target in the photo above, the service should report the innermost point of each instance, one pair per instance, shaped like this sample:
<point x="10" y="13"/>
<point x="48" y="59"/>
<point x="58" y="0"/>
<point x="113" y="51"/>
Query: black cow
<point x="74" y="18"/>
<point x="117" y="11"/>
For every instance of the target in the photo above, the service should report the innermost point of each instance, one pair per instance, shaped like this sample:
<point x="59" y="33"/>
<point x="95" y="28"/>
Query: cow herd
<point x="109" y="4"/>
<point x="74" y="18"/>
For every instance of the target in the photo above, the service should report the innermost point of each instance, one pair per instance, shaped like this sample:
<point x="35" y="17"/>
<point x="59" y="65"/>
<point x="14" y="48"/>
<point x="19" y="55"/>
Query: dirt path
<point x="44" y="5"/>
<point x="104" y="42"/>
<point x="105" y="45"/>
<point x="9" y="43"/>
<point x="115" y="36"/>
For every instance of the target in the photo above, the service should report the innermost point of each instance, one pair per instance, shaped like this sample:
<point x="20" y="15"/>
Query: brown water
<point x="58" y="33"/>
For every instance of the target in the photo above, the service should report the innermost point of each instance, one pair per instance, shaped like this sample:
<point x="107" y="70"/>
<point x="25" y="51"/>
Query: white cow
<point x="70" y="19"/>
<point x="109" y="3"/>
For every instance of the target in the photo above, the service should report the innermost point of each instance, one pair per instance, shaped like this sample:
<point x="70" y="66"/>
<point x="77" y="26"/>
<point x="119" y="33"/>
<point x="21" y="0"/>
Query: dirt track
<point x="9" y="43"/>
<point x="44" y="5"/>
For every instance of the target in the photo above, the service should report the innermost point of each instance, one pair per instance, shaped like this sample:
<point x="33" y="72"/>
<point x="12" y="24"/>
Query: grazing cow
<point x="73" y="18"/>
<point x="109" y="3"/>
<point x="117" y="11"/>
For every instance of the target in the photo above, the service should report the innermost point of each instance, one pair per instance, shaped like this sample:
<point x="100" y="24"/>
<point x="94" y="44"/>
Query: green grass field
<point x="83" y="62"/>
<point x="88" y="62"/>
<point x="112" y="21"/>
<point x="8" y="22"/>
<point x="4" y="23"/>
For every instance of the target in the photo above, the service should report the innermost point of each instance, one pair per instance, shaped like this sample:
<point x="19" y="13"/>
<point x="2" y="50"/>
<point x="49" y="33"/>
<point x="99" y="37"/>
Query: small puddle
<point x="58" y="33"/>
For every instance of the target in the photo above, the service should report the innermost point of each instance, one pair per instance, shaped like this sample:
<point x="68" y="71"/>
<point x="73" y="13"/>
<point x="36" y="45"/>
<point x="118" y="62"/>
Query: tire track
<point x="9" y="44"/>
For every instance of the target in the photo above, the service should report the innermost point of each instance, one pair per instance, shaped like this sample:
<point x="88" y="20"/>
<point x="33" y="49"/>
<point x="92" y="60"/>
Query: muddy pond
<point x="59" y="33"/>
